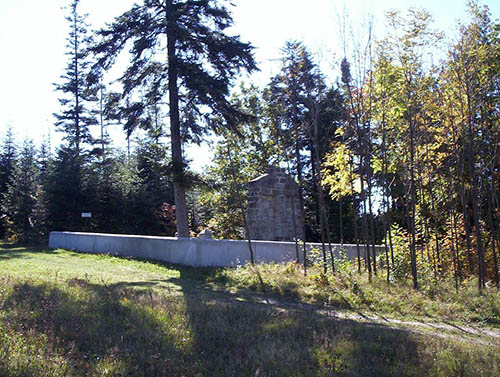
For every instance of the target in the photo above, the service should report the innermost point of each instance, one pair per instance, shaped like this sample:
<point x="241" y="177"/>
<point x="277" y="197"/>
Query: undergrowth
<point x="69" y="314"/>
<point x="347" y="289"/>
<point x="79" y="328"/>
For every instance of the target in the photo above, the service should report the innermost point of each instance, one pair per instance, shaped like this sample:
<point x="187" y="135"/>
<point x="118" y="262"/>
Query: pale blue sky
<point x="33" y="32"/>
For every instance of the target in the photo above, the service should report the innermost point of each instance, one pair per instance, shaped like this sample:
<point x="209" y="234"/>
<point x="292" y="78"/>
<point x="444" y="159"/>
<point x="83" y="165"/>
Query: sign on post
<point x="86" y="214"/>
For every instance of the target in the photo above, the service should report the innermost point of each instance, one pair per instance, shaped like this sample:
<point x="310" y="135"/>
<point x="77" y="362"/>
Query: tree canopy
<point x="179" y="48"/>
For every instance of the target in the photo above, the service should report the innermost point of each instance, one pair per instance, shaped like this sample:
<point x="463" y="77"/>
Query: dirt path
<point x="452" y="331"/>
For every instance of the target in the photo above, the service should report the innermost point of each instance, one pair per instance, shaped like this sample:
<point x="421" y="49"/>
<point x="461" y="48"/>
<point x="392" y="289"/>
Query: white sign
<point x="86" y="214"/>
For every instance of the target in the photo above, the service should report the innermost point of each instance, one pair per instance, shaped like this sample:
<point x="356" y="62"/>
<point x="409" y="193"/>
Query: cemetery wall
<point x="195" y="252"/>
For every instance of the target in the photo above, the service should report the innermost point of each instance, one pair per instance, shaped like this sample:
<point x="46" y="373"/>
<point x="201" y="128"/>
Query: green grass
<point x="435" y="301"/>
<point x="70" y="314"/>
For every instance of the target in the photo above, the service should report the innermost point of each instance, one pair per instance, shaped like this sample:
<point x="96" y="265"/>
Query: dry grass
<point x="437" y="300"/>
<point x="131" y="318"/>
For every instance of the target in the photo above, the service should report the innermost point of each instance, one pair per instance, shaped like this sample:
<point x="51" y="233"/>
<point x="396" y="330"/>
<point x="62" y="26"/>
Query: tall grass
<point x="131" y="318"/>
<point x="80" y="328"/>
<point x="437" y="300"/>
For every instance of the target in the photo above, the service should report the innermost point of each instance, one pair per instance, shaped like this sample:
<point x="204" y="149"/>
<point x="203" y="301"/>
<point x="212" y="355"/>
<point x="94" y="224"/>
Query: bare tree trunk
<point x="356" y="113"/>
<point x="497" y="236"/>
<point x="299" y="179"/>
<point x="356" y="235"/>
<point x="475" y="199"/>
<point x="436" y="234"/>
<point x="493" y="234"/>
<point x="289" y="170"/>
<point x="386" y="252"/>
<point x="391" y="246"/>
<point x="365" y="232"/>
<point x="387" y="218"/>
<point x="341" y="225"/>
<point x="492" y="201"/>
<point x="175" y="136"/>
<point x="460" y="191"/>
<point x="323" y="215"/>
<point x="424" y="210"/>
<point x="466" y="225"/>
<point x="242" y="209"/>
<point x="371" y="222"/>
<point x="295" y="240"/>
<point x="457" y="249"/>
<point x="365" y="227"/>
<point x="454" y="252"/>
<point x="412" y="205"/>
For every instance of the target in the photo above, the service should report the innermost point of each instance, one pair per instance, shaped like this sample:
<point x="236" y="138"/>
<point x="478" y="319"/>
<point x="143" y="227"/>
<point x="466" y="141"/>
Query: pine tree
<point x="21" y="199"/>
<point x="7" y="160"/>
<point x="65" y="190"/>
<point x="76" y="116"/>
<point x="197" y="71"/>
<point x="296" y="94"/>
<point x="287" y="95"/>
<point x="237" y="160"/>
<point x="8" y="157"/>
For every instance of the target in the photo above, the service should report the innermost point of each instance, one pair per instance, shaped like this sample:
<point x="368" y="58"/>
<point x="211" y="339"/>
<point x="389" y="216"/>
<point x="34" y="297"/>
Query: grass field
<point x="69" y="314"/>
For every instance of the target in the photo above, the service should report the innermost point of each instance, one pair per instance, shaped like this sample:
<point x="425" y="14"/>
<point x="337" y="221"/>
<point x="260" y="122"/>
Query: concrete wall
<point x="194" y="252"/>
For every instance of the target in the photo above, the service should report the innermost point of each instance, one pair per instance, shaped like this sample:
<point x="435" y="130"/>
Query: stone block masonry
<point x="274" y="212"/>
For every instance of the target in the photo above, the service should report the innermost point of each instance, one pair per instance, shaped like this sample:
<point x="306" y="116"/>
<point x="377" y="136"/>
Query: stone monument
<point x="274" y="207"/>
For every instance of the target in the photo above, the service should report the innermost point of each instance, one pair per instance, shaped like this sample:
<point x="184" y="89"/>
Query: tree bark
<point x="493" y="230"/>
<point x="175" y="136"/>
<point x="413" y="254"/>
<point x="475" y="197"/>
<point x="240" y="203"/>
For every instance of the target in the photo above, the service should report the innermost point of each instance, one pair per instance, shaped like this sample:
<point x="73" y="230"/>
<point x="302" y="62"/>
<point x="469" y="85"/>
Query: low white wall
<point x="196" y="252"/>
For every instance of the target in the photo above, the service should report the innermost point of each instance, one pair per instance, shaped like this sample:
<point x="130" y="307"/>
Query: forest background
<point x="394" y="142"/>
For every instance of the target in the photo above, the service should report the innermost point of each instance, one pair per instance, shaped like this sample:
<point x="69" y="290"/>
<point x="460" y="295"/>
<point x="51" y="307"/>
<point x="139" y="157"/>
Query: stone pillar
<point x="273" y="200"/>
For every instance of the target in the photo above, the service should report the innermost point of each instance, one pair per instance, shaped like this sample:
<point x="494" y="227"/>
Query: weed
<point x="105" y="316"/>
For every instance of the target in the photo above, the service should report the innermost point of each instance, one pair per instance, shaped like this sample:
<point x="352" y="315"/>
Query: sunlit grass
<point x="346" y="289"/>
<point x="70" y="314"/>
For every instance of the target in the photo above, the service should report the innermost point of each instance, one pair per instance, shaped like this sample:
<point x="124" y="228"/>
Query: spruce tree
<point x="21" y="199"/>
<point x="200" y="63"/>
<point x="66" y="188"/>
<point x="287" y="97"/>
<point x="76" y="115"/>
<point x="7" y="160"/>
<point x="236" y="161"/>
<point x="7" y="166"/>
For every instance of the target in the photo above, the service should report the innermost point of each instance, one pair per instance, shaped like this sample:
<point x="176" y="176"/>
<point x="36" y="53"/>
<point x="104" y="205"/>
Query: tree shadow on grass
<point x="117" y="330"/>
<point x="16" y="251"/>
<point x="243" y="338"/>
<point x="96" y="328"/>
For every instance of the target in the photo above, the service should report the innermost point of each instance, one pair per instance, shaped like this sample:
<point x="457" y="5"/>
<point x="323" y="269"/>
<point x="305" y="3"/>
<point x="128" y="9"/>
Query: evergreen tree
<point x="21" y="201"/>
<point x="65" y="190"/>
<point x="201" y="61"/>
<point x="156" y="187"/>
<point x="306" y="114"/>
<point x="287" y="97"/>
<point x="7" y="167"/>
<point x="76" y="117"/>
<point x="237" y="160"/>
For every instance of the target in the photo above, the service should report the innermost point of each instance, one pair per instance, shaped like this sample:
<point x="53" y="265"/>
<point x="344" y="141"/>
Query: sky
<point x="33" y="32"/>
